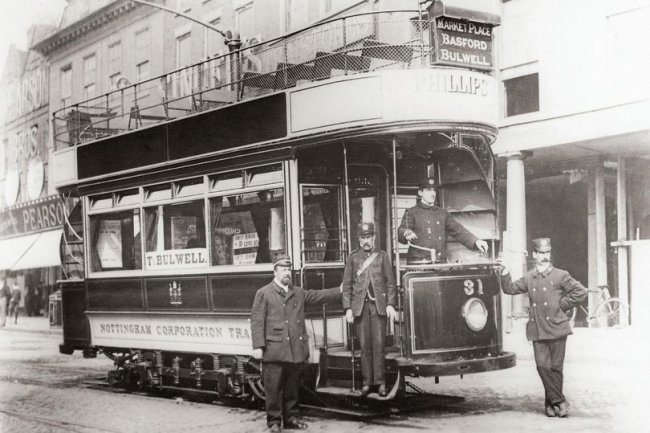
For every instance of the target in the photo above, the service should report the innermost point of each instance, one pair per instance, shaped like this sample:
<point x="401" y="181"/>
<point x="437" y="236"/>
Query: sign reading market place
<point x="462" y="43"/>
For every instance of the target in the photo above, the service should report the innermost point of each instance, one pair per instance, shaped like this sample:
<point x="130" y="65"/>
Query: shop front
<point x="30" y="238"/>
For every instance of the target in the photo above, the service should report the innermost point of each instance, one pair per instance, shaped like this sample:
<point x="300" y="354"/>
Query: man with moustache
<point x="425" y="227"/>
<point x="280" y="340"/>
<point x="369" y="295"/>
<point x="553" y="293"/>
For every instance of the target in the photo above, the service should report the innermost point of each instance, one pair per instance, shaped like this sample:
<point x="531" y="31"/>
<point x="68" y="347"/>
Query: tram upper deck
<point x="360" y="75"/>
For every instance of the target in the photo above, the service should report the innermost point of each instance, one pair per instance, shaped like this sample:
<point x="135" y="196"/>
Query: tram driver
<point x="424" y="227"/>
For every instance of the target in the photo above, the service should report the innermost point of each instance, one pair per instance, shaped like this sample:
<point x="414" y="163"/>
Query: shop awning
<point x="14" y="248"/>
<point x="42" y="251"/>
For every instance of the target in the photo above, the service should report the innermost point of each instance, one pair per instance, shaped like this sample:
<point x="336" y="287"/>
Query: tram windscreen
<point x="321" y="231"/>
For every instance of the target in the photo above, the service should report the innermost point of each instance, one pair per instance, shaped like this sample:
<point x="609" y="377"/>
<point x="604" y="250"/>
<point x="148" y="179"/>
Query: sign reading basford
<point x="232" y="335"/>
<point x="462" y="43"/>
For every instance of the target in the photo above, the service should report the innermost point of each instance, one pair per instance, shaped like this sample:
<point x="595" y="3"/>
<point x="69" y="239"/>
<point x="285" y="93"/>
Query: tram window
<point x="170" y="230"/>
<point x="189" y="187"/>
<point x="322" y="229"/>
<point x="102" y="201"/>
<point x="115" y="241"/>
<point x="227" y="181"/>
<point x="158" y="192"/>
<point x="247" y="228"/>
<point x="264" y="175"/>
<point x="123" y="198"/>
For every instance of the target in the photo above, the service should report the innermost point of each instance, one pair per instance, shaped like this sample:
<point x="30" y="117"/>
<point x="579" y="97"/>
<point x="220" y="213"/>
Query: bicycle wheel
<point x="612" y="313"/>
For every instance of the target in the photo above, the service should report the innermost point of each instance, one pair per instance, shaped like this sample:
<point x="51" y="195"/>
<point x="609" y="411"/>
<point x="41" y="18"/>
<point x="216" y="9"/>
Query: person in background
<point x="280" y="340"/>
<point x="553" y="293"/>
<point x="369" y="295"/>
<point x="5" y="295"/>
<point x="14" y="302"/>
<point x="424" y="227"/>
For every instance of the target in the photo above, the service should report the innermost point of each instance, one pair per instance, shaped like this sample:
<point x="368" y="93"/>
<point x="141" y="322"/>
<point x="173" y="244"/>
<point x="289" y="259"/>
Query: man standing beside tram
<point x="369" y="296"/>
<point x="424" y="227"/>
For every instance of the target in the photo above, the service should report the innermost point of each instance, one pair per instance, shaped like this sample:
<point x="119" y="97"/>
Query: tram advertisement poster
<point x="109" y="244"/>
<point x="235" y="239"/>
<point x="462" y="43"/>
<point x="183" y="230"/>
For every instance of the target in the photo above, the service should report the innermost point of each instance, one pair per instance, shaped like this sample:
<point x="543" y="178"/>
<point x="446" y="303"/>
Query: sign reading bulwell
<point x="462" y="43"/>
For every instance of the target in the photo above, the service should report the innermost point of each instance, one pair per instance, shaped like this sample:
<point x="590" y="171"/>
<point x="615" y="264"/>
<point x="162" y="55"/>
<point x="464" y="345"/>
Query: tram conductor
<point x="369" y="296"/>
<point x="280" y="340"/>
<point x="552" y="293"/>
<point x="424" y="227"/>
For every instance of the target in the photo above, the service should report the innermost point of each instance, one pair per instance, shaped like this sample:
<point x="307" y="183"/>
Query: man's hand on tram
<point x="504" y="268"/>
<point x="482" y="246"/>
<point x="391" y="313"/>
<point x="258" y="353"/>
<point x="349" y="316"/>
<point x="409" y="235"/>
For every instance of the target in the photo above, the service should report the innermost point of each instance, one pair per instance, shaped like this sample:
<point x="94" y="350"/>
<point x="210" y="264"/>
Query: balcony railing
<point x="351" y="45"/>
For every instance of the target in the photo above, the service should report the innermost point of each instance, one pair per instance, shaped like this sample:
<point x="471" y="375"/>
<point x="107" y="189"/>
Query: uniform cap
<point x="364" y="229"/>
<point x="427" y="182"/>
<point x="282" y="260"/>
<point x="542" y="245"/>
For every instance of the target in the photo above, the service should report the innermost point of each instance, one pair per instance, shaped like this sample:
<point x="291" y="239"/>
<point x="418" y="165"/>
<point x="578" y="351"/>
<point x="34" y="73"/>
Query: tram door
<point x="368" y="203"/>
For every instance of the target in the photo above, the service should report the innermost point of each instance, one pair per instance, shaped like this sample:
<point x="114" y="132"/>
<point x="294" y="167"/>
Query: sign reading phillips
<point x="462" y="43"/>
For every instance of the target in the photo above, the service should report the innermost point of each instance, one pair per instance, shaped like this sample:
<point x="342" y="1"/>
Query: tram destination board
<point x="462" y="43"/>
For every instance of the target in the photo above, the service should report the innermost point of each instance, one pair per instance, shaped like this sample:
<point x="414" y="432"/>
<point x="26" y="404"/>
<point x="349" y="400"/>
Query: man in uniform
<point x="425" y="227"/>
<point x="369" y="295"/>
<point x="552" y="293"/>
<point x="280" y="339"/>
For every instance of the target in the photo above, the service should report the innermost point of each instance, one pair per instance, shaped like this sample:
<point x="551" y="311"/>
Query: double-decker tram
<point x="182" y="208"/>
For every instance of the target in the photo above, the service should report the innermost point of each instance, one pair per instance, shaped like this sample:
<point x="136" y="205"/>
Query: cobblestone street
<point x="42" y="391"/>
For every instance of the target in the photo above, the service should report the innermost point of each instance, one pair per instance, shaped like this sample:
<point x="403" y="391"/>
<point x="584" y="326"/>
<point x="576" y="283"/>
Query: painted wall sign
<point x="28" y="94"/>
<point x="40" y="215"/>
<point x="462" y="43"/>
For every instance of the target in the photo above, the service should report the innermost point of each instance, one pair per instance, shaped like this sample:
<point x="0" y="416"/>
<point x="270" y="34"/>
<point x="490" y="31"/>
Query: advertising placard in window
<point x="109" y="244"/>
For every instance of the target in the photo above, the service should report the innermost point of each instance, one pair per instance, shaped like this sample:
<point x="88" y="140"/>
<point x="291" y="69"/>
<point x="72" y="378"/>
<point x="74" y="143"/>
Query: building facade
<point x="574" y="140"/>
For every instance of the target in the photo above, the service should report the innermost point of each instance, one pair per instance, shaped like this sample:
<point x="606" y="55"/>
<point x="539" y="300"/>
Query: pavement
<point x="585" y="345"/>
<point x="40" y="324"/>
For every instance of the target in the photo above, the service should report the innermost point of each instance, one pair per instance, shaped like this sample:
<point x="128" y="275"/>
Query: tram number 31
<point x="470" y="287"/>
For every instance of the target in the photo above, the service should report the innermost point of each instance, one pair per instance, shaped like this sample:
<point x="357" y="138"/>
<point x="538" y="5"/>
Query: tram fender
<point x="422" y="367"/>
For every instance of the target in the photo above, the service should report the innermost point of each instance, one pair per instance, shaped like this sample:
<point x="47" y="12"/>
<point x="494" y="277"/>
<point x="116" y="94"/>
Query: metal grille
<point x="350" y="45"/>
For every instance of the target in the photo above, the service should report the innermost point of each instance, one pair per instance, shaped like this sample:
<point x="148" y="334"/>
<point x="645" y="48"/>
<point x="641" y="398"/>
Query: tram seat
<point x="292" y="73"/>
<point x="382" y="50"/>
<point x="326" y="62"/>
<point x="258" y="80"/>
<point x="137" y="117"/>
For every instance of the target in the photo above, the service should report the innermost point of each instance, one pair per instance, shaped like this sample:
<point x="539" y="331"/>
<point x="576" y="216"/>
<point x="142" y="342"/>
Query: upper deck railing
<point x="351" y="45"/>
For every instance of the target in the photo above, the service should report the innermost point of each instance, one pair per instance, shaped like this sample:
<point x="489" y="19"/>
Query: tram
<point x="186" y="194"/>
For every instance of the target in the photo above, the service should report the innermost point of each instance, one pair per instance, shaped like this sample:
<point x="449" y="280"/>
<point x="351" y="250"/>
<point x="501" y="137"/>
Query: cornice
<point x="88" y="24"/>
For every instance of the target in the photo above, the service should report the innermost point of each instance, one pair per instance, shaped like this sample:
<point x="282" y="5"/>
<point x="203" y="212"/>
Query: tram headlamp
<point x="475" y="314"/>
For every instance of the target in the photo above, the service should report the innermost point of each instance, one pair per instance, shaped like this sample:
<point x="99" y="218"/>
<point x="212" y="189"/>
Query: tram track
<point x="53" y="422"/>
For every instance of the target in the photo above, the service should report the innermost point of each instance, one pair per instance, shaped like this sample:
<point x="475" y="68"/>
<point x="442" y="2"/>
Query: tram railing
<point x="350" y="45"/>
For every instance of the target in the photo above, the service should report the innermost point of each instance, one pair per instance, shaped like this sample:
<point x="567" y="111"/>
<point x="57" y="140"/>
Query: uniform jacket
<point x="551" y="293"/>
<point x="430" y="224"/>
<point x="380" y="273"/>
<point x="278" y="322"/>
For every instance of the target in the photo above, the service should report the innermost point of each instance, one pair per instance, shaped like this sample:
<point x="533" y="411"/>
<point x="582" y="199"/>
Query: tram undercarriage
<point x="330" y="385"/>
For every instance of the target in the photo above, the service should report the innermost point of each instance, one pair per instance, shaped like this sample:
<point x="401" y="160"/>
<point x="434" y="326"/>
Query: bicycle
<point x="609" y="312"/>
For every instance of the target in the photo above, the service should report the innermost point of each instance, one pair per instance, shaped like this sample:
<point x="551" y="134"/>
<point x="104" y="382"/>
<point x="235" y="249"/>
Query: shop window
<point x="321" y="234"/>
<point x="248" y="228"/>
<point x="522" y="94"/>
<point x="173" y="230"/>
<point x="115" y="241"/>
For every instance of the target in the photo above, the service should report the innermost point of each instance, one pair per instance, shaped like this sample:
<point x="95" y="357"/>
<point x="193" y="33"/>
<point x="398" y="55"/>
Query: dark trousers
<point x="281" y="391"/>
<point x="371" y="329"/>
<point x="549" y="357"/>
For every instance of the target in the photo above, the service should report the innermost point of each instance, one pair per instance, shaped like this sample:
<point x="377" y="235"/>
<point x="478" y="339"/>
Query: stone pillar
<point x="621" y="224"/>
<point x="515" y="252"/>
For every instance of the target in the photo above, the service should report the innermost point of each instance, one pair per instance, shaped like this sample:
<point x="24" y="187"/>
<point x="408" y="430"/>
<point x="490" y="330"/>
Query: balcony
<point x="352" y="45"/>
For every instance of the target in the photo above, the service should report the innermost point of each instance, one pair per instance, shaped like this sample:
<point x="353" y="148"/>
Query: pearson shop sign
<point x="462" y="43"/>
